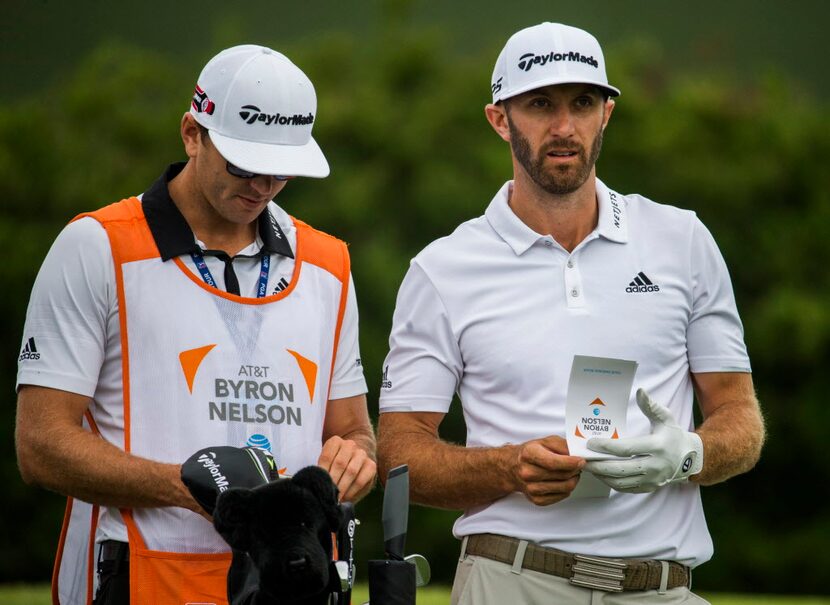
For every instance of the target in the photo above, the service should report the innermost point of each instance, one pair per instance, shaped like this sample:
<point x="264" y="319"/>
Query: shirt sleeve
<point x="65" y="332"/>
<point x="424" y="367"/>
<point x="348" y="379"/>
<point x="715" y="335"/>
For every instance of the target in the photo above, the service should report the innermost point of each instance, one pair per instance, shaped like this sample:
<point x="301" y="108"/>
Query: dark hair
<point x="203" y="132"/>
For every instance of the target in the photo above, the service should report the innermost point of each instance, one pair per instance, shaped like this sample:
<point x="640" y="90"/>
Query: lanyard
<point x="264" y="269"/>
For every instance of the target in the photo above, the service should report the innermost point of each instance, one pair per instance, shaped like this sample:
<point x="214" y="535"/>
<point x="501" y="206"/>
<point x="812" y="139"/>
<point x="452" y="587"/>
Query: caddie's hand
<point x="670" y="453"/>
<point x="350" y="467"/>
<point x="544" y="471"/>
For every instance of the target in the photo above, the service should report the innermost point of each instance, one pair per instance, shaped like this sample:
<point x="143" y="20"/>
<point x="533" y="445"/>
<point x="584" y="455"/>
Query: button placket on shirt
<point x="574" y="292"/>
<point x="572" y="279"/>
<point x="573" y="284"/>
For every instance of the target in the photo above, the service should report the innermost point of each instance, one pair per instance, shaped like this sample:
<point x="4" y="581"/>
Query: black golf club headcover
<point x="391" y="582"/>
<point x="213" y="470"/>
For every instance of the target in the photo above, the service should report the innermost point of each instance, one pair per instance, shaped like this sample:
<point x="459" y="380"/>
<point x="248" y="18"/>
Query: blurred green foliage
<point x="401" y="122"/>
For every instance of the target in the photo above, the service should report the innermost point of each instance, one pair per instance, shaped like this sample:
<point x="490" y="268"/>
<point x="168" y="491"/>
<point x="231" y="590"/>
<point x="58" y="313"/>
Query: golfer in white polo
<point x="561" y="265"/>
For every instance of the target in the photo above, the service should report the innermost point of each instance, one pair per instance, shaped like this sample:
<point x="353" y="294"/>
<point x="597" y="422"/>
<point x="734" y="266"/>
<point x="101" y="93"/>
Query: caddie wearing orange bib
<point x="197" y="314"/>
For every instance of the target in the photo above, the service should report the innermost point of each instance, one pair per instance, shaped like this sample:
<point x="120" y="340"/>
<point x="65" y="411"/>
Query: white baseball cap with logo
<point x="259" y="109"/>
<point x="545" y="54"/>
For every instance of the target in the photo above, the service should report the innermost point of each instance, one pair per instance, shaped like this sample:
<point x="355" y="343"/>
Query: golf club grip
<point x="395" y="514"/>
<point x="394" y="546"/>
<point x="391" y="582"/>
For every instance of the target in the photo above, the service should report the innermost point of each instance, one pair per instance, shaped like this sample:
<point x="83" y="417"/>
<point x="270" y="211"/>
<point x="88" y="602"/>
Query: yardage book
<point x="597" y="406"/>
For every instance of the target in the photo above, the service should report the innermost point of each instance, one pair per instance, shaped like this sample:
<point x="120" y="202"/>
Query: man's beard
<point x="559" y="180"/>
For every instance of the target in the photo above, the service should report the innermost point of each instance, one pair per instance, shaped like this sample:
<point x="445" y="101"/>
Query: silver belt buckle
<point x="598" y="574"/>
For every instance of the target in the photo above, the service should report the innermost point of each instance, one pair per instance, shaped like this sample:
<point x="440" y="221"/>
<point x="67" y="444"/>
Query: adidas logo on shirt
<point x="281" y="285"/>
<point x="385" y="383"/>
<point x="29" y="350"/>
<point x="641" y="283"/>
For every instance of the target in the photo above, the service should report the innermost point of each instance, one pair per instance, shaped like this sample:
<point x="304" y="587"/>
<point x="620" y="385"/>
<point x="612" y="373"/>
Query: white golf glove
<point x="668" y="454"/>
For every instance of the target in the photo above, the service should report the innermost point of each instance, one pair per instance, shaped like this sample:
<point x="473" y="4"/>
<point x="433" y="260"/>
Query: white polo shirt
<point x="495" y="312"/>
<point x="72" y="320"/>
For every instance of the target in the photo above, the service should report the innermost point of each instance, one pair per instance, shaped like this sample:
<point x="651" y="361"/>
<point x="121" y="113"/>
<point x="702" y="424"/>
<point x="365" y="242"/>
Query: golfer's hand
<point x="668" y="454"/>
<point x="544" y="471"/>
<point x="350" y="467"/>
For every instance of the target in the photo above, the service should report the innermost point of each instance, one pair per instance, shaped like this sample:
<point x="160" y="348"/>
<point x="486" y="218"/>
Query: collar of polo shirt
<point x="612" y="223"/>
<point x="174" y="237"/>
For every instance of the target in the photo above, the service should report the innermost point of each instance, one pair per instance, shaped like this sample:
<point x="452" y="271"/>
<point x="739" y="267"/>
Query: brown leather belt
<point x="600" y="573"/>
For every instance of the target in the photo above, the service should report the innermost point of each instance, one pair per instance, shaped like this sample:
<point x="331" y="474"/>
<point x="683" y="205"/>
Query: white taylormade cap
<point x="259" y="108"/>
<point x="545" y="54"/>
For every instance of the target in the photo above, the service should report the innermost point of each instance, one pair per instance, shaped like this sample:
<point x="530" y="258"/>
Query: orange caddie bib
<point x="202" y="367"/>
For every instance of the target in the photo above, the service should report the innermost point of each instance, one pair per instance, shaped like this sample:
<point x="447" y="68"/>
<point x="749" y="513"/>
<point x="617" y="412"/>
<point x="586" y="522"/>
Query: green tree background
<point x="731" y="123"/>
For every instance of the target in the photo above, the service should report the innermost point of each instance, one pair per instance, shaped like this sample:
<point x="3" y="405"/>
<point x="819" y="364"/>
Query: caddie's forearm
<point x="444" y="475"/>
<point x="84" y="466"/>
<point x="732" y="436"/>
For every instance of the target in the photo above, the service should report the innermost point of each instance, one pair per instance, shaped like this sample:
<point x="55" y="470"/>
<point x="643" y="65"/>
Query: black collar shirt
<point x="174" y="237"/>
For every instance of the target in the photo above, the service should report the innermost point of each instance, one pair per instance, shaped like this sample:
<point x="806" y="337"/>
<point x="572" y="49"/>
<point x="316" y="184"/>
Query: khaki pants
<point x="480" y="581"/>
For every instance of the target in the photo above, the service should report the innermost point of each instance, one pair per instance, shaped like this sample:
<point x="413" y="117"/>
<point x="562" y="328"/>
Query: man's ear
<point x="319" y="483"/>
<point x="608" y="110"/>
<point x="233" y="515"/>
<point x="497" y="116"/>
<point x="191" y="134"/>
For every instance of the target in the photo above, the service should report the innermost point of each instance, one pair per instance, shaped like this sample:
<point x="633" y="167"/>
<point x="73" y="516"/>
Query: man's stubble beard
<point x="556" y="181"/>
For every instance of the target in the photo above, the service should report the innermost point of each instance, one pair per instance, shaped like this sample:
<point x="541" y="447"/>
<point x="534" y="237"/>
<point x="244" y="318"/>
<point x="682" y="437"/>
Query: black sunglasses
<point x="244" y="174"/>
<point x="236" y="170"/>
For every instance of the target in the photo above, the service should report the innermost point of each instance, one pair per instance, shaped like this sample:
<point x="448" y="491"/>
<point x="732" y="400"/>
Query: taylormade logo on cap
<point x="529" y="60"/>
<point x="259" y="109"/>
<point x="252" y="113"/>
<point x="548" y="54"/>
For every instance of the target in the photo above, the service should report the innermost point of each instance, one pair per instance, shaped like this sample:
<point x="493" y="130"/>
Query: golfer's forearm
<point x="449" y="476"/>
<point x="79" y="464"/>
<point x="732" y="439"/>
